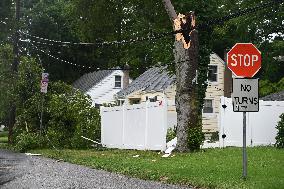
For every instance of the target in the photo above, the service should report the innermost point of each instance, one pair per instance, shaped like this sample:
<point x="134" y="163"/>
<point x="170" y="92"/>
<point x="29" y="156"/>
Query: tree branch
<point x="170" y="9"/>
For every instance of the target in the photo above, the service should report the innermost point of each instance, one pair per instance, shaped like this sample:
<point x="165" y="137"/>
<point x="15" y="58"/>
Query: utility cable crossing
<point x="221" y="20"/>
<point x="32" y="39"/>
<point x="83" y="66"/>
<point x="216" y="21"/>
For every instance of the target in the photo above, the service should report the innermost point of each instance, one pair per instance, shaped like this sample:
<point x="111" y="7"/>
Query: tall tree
<point x="186" y="73"/>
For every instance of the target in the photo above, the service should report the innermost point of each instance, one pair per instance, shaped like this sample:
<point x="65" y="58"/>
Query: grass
<point x="4" y="140"/>
<point x="4" y="134"/>
<point x="4" y="137"/>
<point x="212" y="168"/>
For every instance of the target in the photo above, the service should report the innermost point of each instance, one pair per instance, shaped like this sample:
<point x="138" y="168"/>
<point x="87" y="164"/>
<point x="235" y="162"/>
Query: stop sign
<point x="244" y="60"/>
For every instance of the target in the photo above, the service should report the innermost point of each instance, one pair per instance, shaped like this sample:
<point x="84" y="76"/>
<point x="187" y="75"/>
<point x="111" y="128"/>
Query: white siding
<point x="104" y="91"/>
<point x="213" y="92"/>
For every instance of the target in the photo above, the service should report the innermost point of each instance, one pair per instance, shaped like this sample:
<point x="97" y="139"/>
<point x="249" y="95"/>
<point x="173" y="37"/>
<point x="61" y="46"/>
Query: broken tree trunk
<point x="186" y="69"/>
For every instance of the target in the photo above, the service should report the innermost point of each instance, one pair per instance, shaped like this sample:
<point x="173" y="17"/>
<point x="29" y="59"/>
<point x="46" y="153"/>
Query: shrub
<point x="27" y="141"/>
<point x="280" y="134"/>
<point x="71" y="116"/>
<point x="214" y="137"/>
<point x="67" y="113"/>
<point x="195" y="138"/>
<point x="171" y="134"/>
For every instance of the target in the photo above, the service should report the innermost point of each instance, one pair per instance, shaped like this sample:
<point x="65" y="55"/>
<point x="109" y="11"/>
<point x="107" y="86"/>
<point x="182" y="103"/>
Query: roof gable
<point x="89" y="80"/>
<point x="154" y="79"/>
<point x="274" y="97"/>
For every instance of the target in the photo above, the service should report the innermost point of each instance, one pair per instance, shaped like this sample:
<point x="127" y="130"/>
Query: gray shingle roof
<point x="89" y="80"/>
<point x="274" y="97"/>
<point x="154" y="79"/>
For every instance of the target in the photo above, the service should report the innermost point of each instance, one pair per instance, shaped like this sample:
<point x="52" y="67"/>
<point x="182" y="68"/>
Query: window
<point x="208" y="106"/>
<point x="212" y="73"/>
<point x="120" y="102"/>
<point x="98" y="105"/>
<point x="134" y="101"/>
<point x="154" y="99"/>
<point x="117" y="82"/>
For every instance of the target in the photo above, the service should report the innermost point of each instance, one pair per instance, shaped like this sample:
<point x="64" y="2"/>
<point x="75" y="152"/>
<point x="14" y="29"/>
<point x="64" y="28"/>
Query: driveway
<point x="21" y="171"/>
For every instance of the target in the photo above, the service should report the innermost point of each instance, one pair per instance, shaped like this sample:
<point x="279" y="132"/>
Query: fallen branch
<point x="91" y="140"/>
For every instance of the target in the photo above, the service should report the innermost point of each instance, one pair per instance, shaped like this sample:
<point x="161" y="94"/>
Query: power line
<point x="221" y="20"/>
<point x="216" y="21"/>
<point x="104" y="43"/>
<point x="71" y="63"/>
<point x="91" y="67"/>
<point x="150" y="37"/>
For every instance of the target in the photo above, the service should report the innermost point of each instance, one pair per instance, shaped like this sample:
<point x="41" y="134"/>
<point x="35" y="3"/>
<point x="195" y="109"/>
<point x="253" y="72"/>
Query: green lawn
<point x="3" y="139"/>
<point x="4" y="134"/>
<point x="212" y="168"/>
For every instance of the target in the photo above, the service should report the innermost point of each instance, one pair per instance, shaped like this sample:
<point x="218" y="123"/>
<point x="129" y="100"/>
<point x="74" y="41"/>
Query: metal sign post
<point x="43" y="89"/>
<point x="244" y="146"/>
<point x="244" y="60"/>
<point x="245" y="99"/>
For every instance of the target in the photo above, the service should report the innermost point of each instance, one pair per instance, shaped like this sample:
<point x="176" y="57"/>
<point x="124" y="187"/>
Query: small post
<point x="244" y="147"/>
<point x="41" y="115"/>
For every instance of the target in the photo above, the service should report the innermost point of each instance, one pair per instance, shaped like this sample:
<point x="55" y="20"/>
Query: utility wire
<point x="105" y="43"/>
<point x="216" y="21"/>
<point x="73" y="64"/>
<point x="221" y="20"/>
<point x="91" y="67"/>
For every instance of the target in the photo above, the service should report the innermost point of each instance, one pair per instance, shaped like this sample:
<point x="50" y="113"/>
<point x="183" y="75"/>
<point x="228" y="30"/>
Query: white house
<point x="156" y="83"/>
<point x="103" y="85"/>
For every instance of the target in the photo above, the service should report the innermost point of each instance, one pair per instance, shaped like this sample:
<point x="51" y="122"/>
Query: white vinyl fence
<point x="260" y="125"/>
<point x="140" y="126"/>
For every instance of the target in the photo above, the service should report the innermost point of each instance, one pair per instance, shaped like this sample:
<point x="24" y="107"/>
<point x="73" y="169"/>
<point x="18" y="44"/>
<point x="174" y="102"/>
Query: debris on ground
<point x="30" y="154"/>
<point x="171" y="145"/>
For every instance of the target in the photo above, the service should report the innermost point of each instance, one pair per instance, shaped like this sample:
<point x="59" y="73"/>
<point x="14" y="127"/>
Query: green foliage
<point x="70" y="117"/>
<point x="27" y="141"/>
<point x="171" y="134"/>
<point x="6" y="82"/>
<point x="266" y="87"/>
<point x="195" y="138"/>
<point x="280" y="133"/>
<point x="6" y="20"/>
<point x="67" y="113"/>
<point x="214" y="136"/>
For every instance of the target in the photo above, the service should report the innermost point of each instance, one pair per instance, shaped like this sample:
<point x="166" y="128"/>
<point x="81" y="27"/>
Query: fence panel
<point x="134" y="127"/>
<point x="260" y="125"/>
<point x="263" y="123"/>
<point x="156" y="117"/>
<point x="112" y="131"/>
<point x="140" y="126"/>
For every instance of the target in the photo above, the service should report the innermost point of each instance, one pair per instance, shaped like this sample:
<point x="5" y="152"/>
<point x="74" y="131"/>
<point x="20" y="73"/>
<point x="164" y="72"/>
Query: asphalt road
<point x="18" y="171"/>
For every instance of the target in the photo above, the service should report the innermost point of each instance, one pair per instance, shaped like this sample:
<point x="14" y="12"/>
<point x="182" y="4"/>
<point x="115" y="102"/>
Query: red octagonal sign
<point x="244" y="60"/>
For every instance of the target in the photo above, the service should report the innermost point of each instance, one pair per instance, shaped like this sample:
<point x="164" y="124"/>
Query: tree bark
<point x="170" y="9"/>
<point x="186" y="67"/>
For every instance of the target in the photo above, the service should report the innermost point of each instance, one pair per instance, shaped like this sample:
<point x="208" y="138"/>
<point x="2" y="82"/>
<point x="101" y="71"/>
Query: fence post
<point x="146" y="124"/>
<point x="102" y="125"/>
<point x="165" y="120"/>
<point x="221" y="121"/>
<point x="123" y="124"/>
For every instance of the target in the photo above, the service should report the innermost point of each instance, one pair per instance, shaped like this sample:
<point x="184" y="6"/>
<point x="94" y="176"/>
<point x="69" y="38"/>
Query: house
<point x="156" y="83"/>
<point x="279" y="96"/>
<point x="103" y="85"/>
